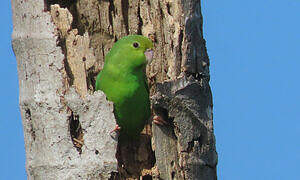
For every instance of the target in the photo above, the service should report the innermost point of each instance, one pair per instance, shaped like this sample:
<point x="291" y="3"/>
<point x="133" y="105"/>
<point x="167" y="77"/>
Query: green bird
<point x="123" y="80"/>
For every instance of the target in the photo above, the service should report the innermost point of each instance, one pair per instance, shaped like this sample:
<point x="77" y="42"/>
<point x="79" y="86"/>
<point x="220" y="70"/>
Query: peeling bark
<point x="47" y="103"/>
<point x="60" y="47"/>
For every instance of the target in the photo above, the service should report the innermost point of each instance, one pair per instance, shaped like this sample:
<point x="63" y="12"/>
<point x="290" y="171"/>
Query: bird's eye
<point x="136" y="45"/>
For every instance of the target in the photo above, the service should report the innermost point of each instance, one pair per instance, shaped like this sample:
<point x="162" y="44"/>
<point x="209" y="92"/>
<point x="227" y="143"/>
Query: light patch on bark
<point x="45" y="107"/>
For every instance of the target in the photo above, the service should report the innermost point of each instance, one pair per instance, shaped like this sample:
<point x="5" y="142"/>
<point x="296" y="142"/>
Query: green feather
<point x="123" y="80"/>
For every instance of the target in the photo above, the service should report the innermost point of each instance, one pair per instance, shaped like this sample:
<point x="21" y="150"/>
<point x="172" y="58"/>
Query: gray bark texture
<point x="60" y="47"/>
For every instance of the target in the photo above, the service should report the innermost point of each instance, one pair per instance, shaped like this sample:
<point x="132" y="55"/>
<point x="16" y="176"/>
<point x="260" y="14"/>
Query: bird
<point x="123" y="80"/>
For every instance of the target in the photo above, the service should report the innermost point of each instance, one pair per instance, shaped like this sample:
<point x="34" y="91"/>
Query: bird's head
<point x="133" y="51"/>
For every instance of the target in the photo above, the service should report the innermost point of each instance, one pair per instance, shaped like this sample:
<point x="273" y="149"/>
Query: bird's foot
<point x="115" y="132"/>
<point x="159" y="120"/>
<point x="117" y="128"/>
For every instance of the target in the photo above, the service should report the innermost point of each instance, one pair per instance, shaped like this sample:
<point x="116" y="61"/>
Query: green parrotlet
<point x="124" y="82"/>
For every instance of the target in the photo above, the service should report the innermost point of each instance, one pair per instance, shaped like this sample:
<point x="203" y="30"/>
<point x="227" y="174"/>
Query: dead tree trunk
<point x="60" y="47"/>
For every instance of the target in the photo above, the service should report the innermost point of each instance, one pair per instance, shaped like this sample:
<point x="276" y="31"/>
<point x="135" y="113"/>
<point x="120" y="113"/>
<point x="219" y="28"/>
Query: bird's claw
<point x="115" y="132"/>
<point x="117" y="128"/>
<point x="159" y="120"/>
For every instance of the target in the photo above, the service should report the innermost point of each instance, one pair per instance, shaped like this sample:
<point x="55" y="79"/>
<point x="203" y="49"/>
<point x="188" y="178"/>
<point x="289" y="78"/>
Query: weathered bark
<point x="51" y="111"/>
<point x="60" y="47"/>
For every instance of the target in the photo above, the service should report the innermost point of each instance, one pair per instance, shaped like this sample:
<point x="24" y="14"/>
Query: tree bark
<point x="60" y="47"/>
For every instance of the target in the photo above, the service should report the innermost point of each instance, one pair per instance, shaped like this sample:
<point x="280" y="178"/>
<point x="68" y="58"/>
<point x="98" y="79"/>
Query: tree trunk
<point x="60" y="47"/>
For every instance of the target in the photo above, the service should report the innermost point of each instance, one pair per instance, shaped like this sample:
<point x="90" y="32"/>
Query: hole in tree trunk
<point x="147" y="177"/>
<point x="76" y="132"/>
<point x="135" y="157"/>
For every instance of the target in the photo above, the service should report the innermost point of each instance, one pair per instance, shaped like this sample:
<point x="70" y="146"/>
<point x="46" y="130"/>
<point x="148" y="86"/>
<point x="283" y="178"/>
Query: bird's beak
<point x="149" y="55"/>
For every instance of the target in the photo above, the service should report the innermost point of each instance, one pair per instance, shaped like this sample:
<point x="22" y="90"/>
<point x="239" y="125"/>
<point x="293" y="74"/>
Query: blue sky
<point x="254" y="48"/>
<point x="12" y="153"/>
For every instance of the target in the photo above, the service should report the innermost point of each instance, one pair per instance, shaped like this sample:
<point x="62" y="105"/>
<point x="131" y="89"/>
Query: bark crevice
<point x="76" y="132"/>
<point x="124" y="9"/>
